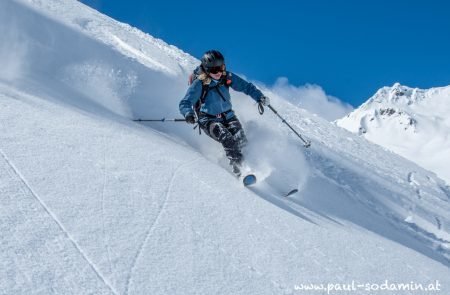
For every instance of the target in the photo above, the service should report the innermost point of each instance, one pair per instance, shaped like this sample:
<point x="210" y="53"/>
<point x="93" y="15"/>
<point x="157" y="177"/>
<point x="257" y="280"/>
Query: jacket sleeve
<point x="239" y="84"/>
<point x="190" y="99"/>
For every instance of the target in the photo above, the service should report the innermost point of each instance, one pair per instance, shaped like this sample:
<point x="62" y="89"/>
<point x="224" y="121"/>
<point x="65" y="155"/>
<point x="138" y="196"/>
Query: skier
<point x="208" y="103"/>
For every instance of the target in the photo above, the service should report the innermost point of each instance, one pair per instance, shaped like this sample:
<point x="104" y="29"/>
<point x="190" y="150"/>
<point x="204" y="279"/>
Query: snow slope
<point x="411" y="122"/>
<point x="93" y="203"/>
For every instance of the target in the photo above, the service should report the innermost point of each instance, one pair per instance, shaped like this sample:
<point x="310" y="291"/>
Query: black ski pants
<point x="228" y="132"/>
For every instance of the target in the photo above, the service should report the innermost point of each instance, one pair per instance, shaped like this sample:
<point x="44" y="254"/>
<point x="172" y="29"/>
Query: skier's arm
<point x="239" y="84"/>
<point x="190" y="99"/>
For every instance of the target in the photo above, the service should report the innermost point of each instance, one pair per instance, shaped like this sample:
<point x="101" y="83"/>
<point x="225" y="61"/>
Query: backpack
<point x="224" y="80"/>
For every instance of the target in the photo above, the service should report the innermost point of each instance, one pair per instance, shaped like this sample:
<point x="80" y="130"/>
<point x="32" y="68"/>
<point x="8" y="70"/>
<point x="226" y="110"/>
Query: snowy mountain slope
<point x="409" y="121"/>
<point x="83" y="200"/>
<point x="93" y="203"/>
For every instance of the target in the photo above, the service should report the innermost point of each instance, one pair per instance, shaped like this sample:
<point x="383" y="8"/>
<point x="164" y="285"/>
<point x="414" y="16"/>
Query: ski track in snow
<point x="28" y="188"/>
<point x="415" y="184"/>
<point x="154" y="223"/>
<point x="105" y="178"/>
<point x="446" y="191"/>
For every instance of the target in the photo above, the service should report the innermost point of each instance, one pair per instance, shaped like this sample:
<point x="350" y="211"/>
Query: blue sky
<point x="350" y="48"/>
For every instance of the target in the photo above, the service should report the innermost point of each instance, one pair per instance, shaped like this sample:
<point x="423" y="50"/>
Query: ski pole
<point x="306" y="143"/>
<point x="160" y="120"/>
<point x="166" y="120"/>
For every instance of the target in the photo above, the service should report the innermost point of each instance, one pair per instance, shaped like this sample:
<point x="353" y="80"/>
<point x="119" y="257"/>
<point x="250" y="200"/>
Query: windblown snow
<point x="94" y="203"/>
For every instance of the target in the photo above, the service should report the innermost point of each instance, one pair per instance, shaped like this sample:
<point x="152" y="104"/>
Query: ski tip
<point x="249" y="179"/>
<point x="291" y="193"/>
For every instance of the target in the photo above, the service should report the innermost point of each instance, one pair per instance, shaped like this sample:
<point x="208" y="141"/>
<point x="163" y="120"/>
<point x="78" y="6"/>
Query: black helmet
<point x="212" y="58"/>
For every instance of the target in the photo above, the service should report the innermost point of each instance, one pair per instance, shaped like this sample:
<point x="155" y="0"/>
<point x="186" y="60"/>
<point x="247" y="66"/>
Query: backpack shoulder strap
<point x="198" y="105"/>
<point x="228" y="80"/>
<point x="205" y="89"/>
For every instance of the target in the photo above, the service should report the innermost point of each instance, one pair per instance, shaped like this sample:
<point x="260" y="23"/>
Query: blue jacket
<point x="214" y="102"/>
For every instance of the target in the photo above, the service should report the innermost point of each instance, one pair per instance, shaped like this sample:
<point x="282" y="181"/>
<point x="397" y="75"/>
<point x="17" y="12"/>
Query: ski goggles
<point x="215" y="70"/>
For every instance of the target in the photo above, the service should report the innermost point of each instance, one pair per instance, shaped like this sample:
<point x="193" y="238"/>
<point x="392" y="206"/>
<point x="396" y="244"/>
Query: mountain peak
<point x="407" y="120"/>
<point x="398" y="94"/>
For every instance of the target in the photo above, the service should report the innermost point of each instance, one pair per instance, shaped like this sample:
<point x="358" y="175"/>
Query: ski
<point x="291" y="193"/>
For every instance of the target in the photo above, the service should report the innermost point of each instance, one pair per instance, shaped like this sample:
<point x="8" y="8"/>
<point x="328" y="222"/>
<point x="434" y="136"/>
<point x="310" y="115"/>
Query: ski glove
<point x="190" y="118"/>
<point x="264" y="100"/>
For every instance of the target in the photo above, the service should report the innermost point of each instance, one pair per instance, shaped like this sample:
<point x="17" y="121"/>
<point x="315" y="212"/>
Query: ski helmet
<point x="212" y="58"/>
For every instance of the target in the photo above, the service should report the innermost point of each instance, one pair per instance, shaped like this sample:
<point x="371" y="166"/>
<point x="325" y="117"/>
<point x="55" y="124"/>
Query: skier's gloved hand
<point x="190" y="118"/>
<point x="264" y="100"/>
